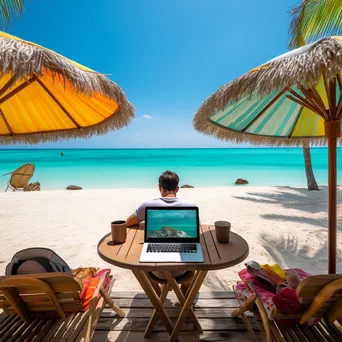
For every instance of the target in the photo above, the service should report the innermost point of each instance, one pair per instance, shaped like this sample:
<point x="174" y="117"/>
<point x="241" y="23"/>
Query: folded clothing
<point x="275" y="269"/>
<point x="84" y="272"/>
<point x="287" y="302"/>
<point x="89" y="284"/>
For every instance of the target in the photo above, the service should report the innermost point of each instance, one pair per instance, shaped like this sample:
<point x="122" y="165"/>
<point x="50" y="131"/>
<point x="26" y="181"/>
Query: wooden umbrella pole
<point x="332" y="131"/>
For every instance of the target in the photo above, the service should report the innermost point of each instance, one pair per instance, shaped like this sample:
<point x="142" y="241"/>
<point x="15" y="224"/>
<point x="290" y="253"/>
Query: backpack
<point x="36" y="260"/>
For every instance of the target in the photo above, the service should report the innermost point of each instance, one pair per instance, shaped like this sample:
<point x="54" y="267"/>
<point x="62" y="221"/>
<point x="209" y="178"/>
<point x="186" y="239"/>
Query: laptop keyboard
<point x="171" y="248"/>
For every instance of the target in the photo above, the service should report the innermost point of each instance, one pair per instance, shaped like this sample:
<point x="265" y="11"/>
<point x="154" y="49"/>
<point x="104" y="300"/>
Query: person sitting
<point x="168" y="187"/>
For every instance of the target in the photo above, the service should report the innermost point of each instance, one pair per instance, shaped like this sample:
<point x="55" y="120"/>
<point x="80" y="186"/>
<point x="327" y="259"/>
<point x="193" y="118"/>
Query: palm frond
<point x="315" y="19"/>
<point x="10" y="9"/>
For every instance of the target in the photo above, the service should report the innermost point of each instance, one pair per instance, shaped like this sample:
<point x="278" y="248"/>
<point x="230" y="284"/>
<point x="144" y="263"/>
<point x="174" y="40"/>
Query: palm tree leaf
<point x="314" y="19"/>
<point x="10" y="9"/>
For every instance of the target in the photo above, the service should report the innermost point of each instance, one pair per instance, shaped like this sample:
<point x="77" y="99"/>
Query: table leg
<point x="182" y="299"/>
<point x="156" y="302"/>
<point x="191" y="283"/>
<point x="153" y="320"/>
<point x="191" y="294"/>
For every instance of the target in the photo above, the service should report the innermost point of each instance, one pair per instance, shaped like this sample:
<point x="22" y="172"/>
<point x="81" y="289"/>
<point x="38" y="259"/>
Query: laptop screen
<point x="172" y="224"/>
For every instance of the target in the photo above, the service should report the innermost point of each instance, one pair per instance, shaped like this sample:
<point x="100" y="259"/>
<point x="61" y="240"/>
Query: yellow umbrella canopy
<point x="293" y="98"/>
<point x="45" y="96"/>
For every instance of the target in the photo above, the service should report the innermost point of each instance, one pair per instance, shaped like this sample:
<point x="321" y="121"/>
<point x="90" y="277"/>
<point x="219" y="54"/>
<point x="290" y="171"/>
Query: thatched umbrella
<point x="45" y="96"/>
<point x="291" y="99"/>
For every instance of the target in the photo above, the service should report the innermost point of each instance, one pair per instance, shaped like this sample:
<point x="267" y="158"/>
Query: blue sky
<point x="167" y="55"/>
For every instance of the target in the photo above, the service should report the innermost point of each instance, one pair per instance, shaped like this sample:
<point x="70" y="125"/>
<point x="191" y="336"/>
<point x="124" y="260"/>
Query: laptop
<point x="171" y="235"/>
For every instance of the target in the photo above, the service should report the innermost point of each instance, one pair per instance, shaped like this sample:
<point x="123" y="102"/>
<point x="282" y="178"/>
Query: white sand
<point x="281" y="224"/>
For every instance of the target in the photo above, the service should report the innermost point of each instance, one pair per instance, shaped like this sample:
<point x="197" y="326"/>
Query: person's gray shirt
<point x="160" y="202"/>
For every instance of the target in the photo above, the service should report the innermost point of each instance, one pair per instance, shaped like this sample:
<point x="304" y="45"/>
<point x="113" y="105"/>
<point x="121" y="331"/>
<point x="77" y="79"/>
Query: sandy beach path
<point x="286" y="225"/>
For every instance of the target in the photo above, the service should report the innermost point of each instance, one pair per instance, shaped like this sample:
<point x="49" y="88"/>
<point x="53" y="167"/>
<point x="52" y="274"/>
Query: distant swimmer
<point x="62" y="154"/>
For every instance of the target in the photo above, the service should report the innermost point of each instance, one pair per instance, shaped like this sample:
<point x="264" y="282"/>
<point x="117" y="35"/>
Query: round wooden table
<point x="216" y="256"/>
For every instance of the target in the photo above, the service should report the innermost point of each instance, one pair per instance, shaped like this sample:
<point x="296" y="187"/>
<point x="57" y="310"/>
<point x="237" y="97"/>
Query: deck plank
<point x="213" y="310"/>
<point x="207" y="336"/>
<point x="173" y="312"/>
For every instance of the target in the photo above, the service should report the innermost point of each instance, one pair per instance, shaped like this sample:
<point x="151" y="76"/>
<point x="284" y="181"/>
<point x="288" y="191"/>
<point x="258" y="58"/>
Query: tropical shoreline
<point x="140" y="168"/>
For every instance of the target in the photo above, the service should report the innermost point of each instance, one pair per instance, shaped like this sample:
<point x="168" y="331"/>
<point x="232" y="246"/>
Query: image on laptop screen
<point x="172" y="223"/>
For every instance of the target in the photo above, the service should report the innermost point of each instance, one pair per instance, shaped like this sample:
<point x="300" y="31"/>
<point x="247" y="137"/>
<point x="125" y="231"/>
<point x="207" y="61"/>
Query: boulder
<point x="241" y="181"/>
<point x="186" y="186"/>
<point x="73" y="187"/>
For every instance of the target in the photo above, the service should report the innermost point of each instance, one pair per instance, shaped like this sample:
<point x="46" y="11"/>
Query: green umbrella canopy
<point x="289" y="100"/>
<point x="282" y="102"/>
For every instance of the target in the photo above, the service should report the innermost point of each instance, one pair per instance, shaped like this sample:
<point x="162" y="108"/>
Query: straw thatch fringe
<point x="226" y="134"/>
<point x="301" y="66"/>
<point x="23" y="60"/>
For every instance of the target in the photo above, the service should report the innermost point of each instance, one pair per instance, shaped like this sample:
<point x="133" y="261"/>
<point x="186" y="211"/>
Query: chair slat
<point x="28" y="330"/>
<point x="59" y="281"/>
<point x="46" y="302"/>
<point x="18" y="332"/>
<point x="310" y="286"/>
<point x="63" y="328"/>
<point x="286" y="334"/>
<point x="65" y="307"/>
<point x="35" y="330"/>
<point x="9" y="325"/>
<point x="14" y="328"/>
<point x="6" y="322"/>
<point x="307" y="332"/>
<point x="79" y="327"/>
<point x="326" y="332"/>
<point x="43" y="331"/>
<point x="293" y="334"/>
<point x="55" y="327"/>
<point x="300" y="334"/>
<point x="74" y="324"/>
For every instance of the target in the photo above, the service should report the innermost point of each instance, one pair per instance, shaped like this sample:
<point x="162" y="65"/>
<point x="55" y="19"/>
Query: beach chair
<point x="47" y="307"/>
<point x="20" y="177"/>
<point x="321" y="300"/>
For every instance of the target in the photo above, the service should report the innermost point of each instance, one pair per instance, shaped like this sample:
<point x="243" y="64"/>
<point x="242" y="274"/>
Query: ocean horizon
<point x="99" y="168"/>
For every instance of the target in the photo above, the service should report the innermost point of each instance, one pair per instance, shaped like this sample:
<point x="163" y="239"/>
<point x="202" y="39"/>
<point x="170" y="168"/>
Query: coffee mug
<point x="222" y="230"/>
<point x="119" y="231"/>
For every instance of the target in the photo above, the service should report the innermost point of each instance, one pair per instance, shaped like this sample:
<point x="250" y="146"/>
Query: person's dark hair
<point x="169" y="180"/>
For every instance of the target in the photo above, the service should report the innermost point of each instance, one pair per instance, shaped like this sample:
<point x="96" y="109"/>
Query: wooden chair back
<point x="21" y="176"/>
<point x="33" y="293"/>
<point x="321" y="296"/>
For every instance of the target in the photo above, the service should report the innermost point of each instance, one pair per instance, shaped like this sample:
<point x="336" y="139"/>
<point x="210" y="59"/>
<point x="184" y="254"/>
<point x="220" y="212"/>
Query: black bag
<point x="36" y="260"/>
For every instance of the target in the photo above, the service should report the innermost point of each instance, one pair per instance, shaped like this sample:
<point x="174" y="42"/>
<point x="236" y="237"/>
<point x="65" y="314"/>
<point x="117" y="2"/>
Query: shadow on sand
<point x="296" y="198"/>
<point x="287" y="252"/>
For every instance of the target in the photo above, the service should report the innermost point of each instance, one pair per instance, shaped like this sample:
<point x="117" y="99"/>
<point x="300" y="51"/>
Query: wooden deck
<point x="213" y="310"/>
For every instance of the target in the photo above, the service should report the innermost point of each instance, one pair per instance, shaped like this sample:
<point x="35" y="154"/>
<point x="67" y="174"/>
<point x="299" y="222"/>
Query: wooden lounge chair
<point x="20" y="177"/>
<point x="320" y="295"/>
<point x="47" y="307"/>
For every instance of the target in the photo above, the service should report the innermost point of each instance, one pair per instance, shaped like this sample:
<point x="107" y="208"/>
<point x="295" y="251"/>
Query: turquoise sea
<point x="118" y="168"/>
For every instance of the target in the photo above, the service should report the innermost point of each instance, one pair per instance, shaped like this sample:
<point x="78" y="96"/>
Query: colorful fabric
<point x="275" y="269"/>
<point x="84" y="272"/>
<point x="266" y="293"/>
<point x="273" y="115"/>
<point x="89" y="287"/>
<point x="287" y="302"/>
